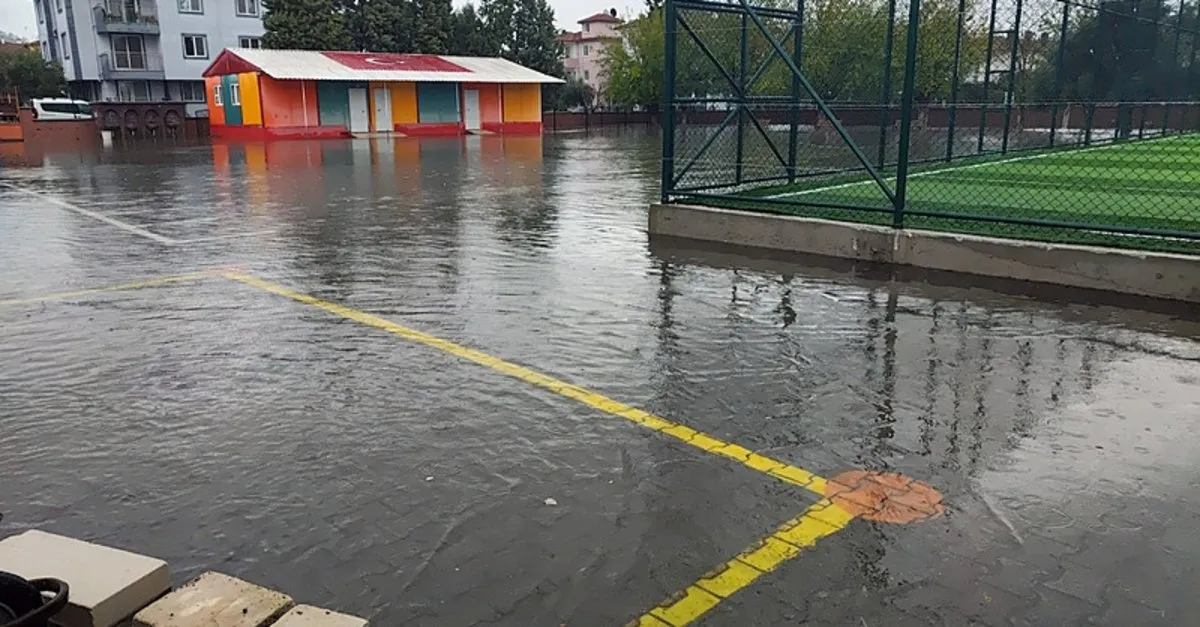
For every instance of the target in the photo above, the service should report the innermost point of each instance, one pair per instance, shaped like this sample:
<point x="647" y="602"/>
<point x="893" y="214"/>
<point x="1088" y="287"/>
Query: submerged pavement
<point x="452" y="383"/>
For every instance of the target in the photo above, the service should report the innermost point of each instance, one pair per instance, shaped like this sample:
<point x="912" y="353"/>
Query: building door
<point x="383" y="110"/>
<point x="360" y="119"/>
<point x="471" y="109"/>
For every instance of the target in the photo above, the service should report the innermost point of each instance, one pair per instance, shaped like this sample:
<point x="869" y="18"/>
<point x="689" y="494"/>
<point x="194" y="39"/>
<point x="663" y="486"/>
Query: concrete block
<point x="309" y="616"/>
<point x="1143" y="273"/>
<point x="107" y="584"/>
<point x="215" y="600"/>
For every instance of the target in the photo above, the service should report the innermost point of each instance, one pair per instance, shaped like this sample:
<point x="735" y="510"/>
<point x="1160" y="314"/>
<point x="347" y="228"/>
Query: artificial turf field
<point x="1151" y="184"/>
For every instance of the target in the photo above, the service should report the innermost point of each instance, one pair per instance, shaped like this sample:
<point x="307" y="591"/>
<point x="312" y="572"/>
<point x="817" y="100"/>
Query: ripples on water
<point x="220" y="427"/>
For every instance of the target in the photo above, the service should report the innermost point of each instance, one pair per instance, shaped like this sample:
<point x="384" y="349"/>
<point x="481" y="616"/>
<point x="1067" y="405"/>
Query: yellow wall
<point x="404" y="103"/>
<point x="522" y="102"/>
<point x="251" y="102"/>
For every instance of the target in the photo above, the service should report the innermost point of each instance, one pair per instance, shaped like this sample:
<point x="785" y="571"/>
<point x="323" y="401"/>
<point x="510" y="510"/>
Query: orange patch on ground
<point x="884" y="496"/>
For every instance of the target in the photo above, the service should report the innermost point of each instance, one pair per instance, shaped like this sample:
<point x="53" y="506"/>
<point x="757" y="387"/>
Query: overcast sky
<point x="16" y="16"/>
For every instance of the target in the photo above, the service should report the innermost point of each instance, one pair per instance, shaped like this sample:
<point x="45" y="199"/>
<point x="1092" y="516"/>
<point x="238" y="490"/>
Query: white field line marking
<point x="953" y="168"/>
<point x="124" y="226"/>
<point x="1109" y="189"/>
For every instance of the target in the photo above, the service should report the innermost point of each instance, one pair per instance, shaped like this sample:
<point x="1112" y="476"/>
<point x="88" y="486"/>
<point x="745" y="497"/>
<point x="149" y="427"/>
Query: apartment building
<point x="143" y="50"/>
<point x="584" y="48"/>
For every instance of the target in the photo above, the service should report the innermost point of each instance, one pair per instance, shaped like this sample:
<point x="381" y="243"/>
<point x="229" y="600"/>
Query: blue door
<point x="233" y="111"/>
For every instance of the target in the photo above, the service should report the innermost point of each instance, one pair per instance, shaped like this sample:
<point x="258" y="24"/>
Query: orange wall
<point x="489" y="101"/>
<point x="404" y="103"/>
<point x="284" y="103"/>
<point x="522" y="102"/>
<point x="216" y="115"/>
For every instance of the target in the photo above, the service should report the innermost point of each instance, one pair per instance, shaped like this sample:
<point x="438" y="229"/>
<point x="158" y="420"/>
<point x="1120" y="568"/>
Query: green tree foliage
<point x="843" y="54"/>
<point x="305" y="25"/>
<point x="570" y="95"/>
<point x="469" y="34"/>
<point x="435" y="20"/>
<point x="30" y="76"/>
<point x="1124" y="50"/>
<point x="381" y="25"/>
<point x="634" y="68"/>
<point x="523" y="32"/>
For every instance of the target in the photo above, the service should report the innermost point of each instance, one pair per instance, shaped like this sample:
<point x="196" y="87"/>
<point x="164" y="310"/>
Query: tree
<point x="537" y="38"/>
<point x="523" y="32"/>
<point x="381" y="25"/>
<point x="574" y="93"/>
<point x="1122" y="51"/>
<point x="634" y="68"/>
<point x="434" y="22"/>
<point x="469" y="35"/>
<point x="305" y="25"/>
<point x="30" y="76"/>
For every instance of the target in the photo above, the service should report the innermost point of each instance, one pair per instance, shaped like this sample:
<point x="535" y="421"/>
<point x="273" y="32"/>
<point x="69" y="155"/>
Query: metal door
<point x="383" y="110"/>
<point x="360" y="120"/>
<point x="471" y="109"/>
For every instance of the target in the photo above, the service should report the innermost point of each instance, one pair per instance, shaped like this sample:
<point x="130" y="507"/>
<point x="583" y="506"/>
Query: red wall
<point x="288" y="103"/>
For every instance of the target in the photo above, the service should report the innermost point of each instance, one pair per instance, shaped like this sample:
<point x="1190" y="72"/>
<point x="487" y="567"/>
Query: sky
<point x="16" y="16"/>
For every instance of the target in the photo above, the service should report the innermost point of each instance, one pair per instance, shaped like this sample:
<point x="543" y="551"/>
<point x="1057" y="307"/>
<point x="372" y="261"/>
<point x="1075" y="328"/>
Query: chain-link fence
<point x="1057" y="120"/>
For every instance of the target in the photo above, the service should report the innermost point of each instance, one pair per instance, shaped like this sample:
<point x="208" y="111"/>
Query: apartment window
<point x="191" y="6"/>
<point x="66" y="47"/>
<point x="58" y="5"/>
<point x="586" y="49"/>
<point x="235" y="94"/>
<point x="246" y="41"/>
<point x="587" y="76"/>
<point x="248" y="8"/>
<point x="195" y="46"/>
<point x="587" y="28"/>
<point x="129" y="53"/>
<point x="191" y="91"/>
<point x="133" y="91"/>
<point x="217" y="95"/>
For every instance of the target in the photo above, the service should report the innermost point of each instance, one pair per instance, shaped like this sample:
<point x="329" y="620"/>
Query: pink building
<point x="585" y="48"/>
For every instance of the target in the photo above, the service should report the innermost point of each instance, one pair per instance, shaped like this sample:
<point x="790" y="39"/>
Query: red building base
<point x="513" y="128"/>
<point x="224" y="131"/>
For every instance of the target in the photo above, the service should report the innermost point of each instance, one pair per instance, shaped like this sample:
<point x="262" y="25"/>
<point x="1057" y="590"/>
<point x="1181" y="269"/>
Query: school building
<point x="274" y="94"/>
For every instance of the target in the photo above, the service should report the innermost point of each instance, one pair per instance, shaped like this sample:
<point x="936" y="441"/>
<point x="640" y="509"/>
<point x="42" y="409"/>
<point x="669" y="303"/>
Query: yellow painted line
<point x="784" y="472"/>
<point x="179" y="278"/>
<point x="822" y="519"/>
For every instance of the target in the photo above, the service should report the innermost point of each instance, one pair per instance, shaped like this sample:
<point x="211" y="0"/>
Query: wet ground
<point x="303" y="444"/>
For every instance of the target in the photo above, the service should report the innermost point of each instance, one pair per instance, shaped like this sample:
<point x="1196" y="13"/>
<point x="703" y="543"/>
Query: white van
<point x="53" y="109"/>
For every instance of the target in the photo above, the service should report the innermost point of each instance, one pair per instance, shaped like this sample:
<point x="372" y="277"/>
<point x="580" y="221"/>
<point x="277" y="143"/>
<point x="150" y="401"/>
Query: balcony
<point x="131" y="66"/>
<point x="134" y="17"/>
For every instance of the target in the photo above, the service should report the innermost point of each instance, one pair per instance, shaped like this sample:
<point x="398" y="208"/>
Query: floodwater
<point x="220" y="426"/>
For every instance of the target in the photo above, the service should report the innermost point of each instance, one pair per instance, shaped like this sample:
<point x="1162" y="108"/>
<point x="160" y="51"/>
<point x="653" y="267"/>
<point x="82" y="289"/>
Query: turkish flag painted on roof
<point x="394" y="62"/>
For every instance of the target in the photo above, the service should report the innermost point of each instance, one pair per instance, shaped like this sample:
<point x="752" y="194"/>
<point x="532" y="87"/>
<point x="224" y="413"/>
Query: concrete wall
<point x="1156" y="275"/>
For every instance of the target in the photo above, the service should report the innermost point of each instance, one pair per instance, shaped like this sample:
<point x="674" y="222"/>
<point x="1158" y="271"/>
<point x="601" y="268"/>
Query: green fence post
<point x="953" y="112"/>
<point x="1058" y="70"/>
<point x="744" y="60"/>
<point x="987" y="77"/>
<point x="1174" y="64"/>
<point x="1010" y="93"/>
<point x="668" y="106"/>
<point x="906" y="110"/>
<point x="885" y="95"/>
<point x="794" y="129"/>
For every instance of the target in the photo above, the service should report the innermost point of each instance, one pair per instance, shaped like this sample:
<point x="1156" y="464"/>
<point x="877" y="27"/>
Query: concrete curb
<point x="1154" y="275"/>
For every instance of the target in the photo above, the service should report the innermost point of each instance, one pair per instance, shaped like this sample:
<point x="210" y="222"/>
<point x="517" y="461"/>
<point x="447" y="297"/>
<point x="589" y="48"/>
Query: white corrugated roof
<point x="315" y="65"/>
